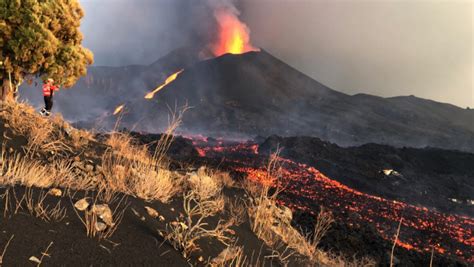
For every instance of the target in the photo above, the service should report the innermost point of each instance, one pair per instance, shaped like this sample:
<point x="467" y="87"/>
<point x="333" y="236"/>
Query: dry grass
<point x="35" y="205"/>
<point x="395" y="243"/>
<point x="140" y="176"/>
<point x="126" y="167"/>
<point x="43" y="134"/>
<point x="262" y="208"/>
<point x="130" y="169"/>
<point x="16" y="169"/>
<point x="43" y="254"/>
<point x="232" y="256"/>
<point x="5" y="249"/>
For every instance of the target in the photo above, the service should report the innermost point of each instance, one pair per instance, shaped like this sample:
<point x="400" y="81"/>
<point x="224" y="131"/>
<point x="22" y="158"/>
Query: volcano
<point x="254" y="94"/>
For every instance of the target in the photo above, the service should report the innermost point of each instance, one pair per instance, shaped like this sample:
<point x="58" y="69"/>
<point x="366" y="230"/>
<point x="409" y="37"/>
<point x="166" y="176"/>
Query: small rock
<point x="161" y="218"/>
<point x="82" y="204"/>
<point x="100" y="226"/>
<point x="55" y="192"/>
<point x="172" y="209"/>
<point x="201" y="258"/>
<point x="104" y="212"/>
<point x="152" y="212"/>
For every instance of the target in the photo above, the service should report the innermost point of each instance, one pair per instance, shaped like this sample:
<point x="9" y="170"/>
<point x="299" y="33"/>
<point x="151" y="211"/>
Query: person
<point x="48" y="92"/>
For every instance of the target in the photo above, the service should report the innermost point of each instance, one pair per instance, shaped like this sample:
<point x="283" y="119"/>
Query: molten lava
<point x="233" y="36"/>
<point x="306" y="189"/>
<point x="168" y="80"/>
<point x="118" y="109"/>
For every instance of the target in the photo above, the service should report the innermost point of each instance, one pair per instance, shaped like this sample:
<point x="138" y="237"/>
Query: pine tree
<point x="41" y="38"/>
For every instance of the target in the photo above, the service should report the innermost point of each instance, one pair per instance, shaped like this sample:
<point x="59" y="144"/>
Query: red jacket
<point x="48" y="89"/>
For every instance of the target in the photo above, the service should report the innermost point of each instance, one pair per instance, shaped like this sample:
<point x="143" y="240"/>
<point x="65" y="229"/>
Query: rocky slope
<point x="257" y="94"/>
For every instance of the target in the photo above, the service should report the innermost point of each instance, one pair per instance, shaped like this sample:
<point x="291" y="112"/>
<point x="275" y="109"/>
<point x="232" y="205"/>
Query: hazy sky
<point x="383" y="47"/>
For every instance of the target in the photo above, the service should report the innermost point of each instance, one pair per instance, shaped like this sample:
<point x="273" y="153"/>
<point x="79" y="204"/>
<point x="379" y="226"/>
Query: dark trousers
<point x="48" y="102"/>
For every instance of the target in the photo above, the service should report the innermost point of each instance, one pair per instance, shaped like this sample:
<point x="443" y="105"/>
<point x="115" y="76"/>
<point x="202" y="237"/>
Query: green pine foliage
<point x="41" y="38"/>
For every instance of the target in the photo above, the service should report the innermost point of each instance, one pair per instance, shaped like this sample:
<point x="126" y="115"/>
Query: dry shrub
<point x="150" y="184"/>
<point x="203" y="185"/>
<point x="124" y="145"/>
<point x="141" y="177"/>
<point x="184" y="235"/>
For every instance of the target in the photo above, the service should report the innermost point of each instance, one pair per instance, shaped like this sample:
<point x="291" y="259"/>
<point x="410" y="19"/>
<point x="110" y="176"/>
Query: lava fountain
<point x="233" y="35"/>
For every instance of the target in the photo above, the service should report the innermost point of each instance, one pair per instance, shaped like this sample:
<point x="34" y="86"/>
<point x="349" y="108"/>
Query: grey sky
<point x="385" y="48"/>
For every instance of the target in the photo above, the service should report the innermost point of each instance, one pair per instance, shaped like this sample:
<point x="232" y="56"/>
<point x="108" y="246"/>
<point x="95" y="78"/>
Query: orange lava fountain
<point x="168" y="80"/>
<point x="233" y="36"/>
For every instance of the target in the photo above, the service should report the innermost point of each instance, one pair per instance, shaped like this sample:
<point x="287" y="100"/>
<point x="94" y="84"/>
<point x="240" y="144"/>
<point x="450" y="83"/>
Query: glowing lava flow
<point x="168" y="80"/>
<point x="307" y="189"/>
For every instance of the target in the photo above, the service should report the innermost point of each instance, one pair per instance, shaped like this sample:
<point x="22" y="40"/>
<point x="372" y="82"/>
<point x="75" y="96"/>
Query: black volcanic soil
<point x="430" y="177"/>
<point x="136" y="241"/>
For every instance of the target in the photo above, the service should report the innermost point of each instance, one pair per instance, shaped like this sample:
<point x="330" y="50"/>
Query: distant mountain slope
<point x="257" y="94"/>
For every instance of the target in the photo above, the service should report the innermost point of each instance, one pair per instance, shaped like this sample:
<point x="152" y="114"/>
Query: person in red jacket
<point x="48" y="92"/>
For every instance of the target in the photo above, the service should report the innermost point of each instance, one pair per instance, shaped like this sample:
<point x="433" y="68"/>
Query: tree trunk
<point x="6" y="90"/>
